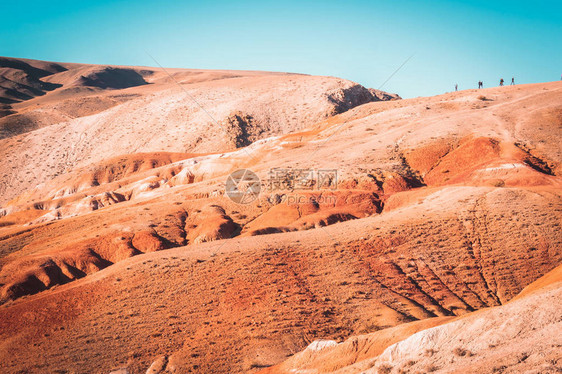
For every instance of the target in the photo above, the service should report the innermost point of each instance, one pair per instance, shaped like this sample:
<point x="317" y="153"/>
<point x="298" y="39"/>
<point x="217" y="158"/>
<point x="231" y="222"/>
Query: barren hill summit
<point x="388" y="236"/>
<point x="60" y="116"/>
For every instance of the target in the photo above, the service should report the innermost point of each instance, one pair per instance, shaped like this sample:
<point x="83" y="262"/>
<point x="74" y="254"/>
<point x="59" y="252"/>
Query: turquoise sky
<point x="364" y="41"/>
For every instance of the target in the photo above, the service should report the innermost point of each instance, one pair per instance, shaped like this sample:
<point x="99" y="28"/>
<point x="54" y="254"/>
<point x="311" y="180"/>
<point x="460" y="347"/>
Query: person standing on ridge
<point x="456" y="87"/>
<point x="513" y="81"/>
<point x="501" y="82"/>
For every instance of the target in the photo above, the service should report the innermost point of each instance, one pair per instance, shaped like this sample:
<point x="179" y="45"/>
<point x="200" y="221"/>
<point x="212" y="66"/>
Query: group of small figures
<point x="481" y="84"/>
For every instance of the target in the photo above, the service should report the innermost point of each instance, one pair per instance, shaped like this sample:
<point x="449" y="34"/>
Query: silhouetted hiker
<point x="456" y="87"/>
<point x="480" y="84"/>
<point x="501" y="82"/>
<point x="512" y="81"/>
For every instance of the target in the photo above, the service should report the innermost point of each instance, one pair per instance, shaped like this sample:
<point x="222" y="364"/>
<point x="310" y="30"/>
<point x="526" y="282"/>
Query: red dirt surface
<point x="119" y="248"/>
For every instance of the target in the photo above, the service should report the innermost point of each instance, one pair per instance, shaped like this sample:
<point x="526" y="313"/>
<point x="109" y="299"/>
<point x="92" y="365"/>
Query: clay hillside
<point x="389" y="235"/>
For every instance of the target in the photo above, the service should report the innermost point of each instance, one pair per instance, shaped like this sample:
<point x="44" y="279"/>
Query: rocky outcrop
<point x="379" y="95"/>
<point x="110" y="77"/>
<point x="243" y="129"/>
<point x="347" y="98"/>
<point x="211" y="223"/>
